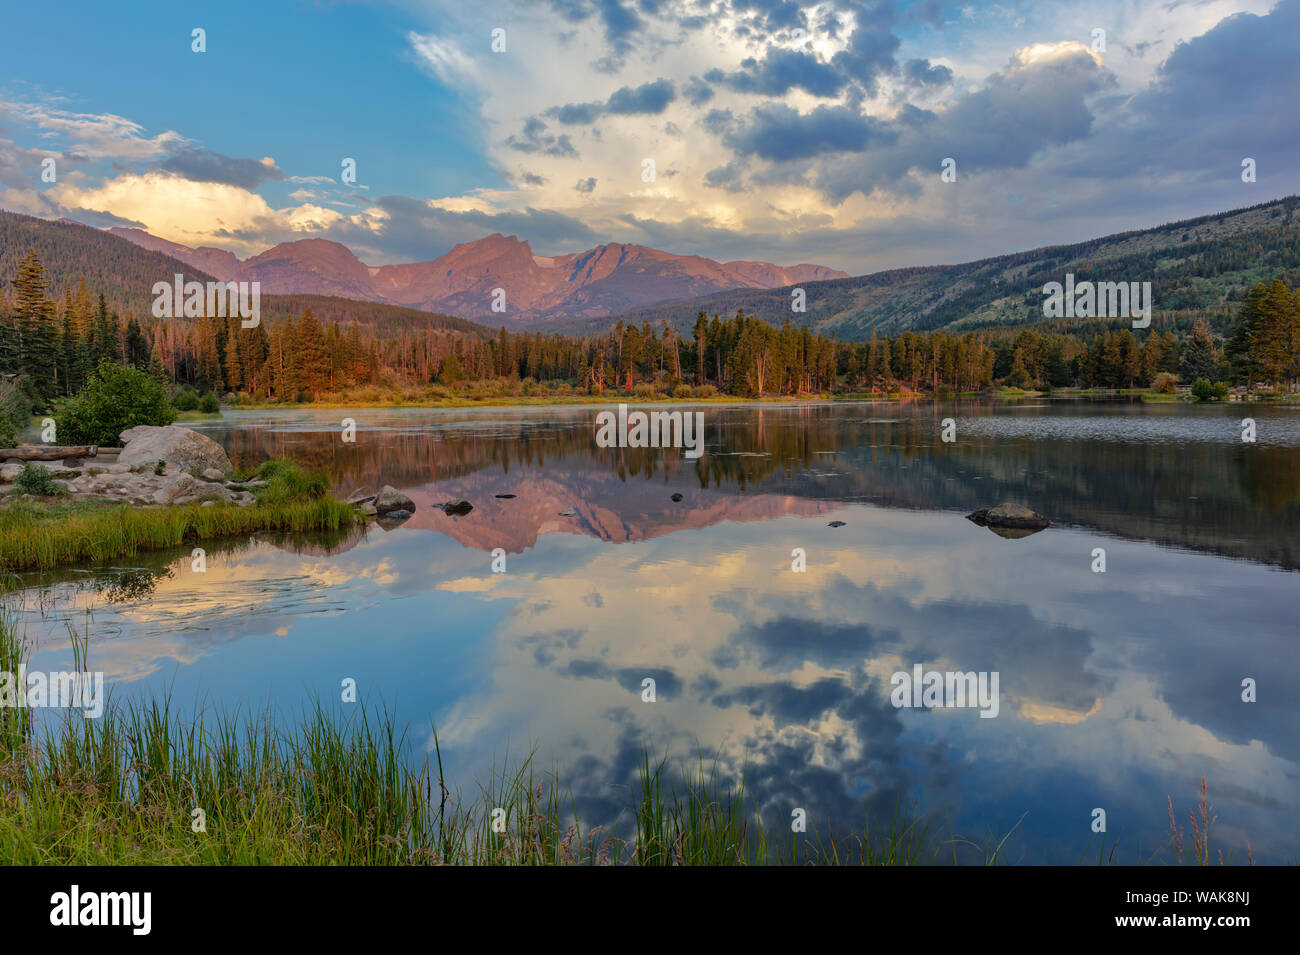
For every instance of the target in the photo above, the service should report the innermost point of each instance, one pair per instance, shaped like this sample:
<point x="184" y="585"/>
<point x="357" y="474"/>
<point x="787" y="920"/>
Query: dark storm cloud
<point x="203" y="165"/>
<point x="1222" y="96"/>
<point x="778" y="132"/>
<point x="780" y="71"/>
<point x="922" y="75"/>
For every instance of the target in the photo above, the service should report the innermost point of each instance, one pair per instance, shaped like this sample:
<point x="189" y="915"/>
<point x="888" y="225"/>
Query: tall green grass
<point x="333" y="789"/>
<point x="42" y="536"/>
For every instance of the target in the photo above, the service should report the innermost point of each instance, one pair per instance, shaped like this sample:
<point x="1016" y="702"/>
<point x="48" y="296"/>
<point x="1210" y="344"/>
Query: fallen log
<point x="47" y="452"/>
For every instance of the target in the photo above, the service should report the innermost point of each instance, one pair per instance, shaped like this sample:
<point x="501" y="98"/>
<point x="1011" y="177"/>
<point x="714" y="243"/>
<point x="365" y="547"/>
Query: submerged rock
<point x="456" y="508"/>
<point x="504" y="497"/>
<point x="1009" y="516"/>
<point x="677" y="497"/>
<point x="835" y="524"/>
<point x="390" y="499"/>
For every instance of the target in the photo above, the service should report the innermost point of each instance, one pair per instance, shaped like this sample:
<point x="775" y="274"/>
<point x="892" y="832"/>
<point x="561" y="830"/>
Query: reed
<point x="328" y="788"/>
<point x="38" y="536"/>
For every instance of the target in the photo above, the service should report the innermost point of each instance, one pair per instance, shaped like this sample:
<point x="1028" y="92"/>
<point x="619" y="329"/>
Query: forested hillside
<point x="1199" y="268"/>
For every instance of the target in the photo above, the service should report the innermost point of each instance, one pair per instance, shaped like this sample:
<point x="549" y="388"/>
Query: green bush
<point x="186" y="399"/>
<point x="36" y="480"/>
<point x="1202" y="390"/>
<point x="15" y="411"/>
<point x="209" y="404"/>
<point x="116" y="398"/>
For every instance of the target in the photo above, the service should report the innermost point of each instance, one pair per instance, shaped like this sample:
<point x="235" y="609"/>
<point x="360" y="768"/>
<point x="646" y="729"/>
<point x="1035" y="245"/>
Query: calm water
<point x="1117" y="689"/>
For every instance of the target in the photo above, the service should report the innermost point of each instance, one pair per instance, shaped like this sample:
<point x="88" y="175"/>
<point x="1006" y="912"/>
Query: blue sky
<point x="776" y="130"/>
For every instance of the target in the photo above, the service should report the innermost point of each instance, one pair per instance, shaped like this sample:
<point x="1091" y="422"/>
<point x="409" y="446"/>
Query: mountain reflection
<point x="1166" y="473"/>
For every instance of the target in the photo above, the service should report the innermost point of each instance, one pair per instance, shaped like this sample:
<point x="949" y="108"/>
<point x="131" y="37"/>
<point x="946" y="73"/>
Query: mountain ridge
<point x="465" y="280"/>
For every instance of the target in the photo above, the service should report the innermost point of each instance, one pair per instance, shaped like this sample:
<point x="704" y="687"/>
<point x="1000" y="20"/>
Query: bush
<point x="115" y="398"/>
<point x="186" y="399"/>
<point x="645" y="390"/>
<point x="209" y="404"/>
<point x="15" y="411"/>
<point x="37" y="480"/>
<point x="1202" y="390"/>
<point x="1165" y="383"/>
<point x="706" y="391"/>
<point x="287" y="483"/>
<point x="683" y="391"/>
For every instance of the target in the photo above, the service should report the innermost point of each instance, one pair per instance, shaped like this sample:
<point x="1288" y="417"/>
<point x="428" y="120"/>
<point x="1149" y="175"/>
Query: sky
<point x="766" y="130"/>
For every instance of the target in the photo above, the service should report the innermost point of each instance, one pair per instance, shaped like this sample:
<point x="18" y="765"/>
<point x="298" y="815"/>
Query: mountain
<point x="1204" y="263"/>
<point x="591" y="284"/>
<point x="124" y="264"/>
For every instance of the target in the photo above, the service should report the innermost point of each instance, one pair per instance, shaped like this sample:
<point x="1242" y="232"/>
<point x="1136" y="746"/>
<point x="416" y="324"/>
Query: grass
<point x="41" y="536"/>
<point x="333" y="789"/>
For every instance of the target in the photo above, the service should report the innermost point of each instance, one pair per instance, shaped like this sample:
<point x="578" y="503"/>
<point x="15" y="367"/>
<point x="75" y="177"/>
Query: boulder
<point x="456" y="508"/>
<point x="214" y="474"/>
<point x="178" y="447"/>
<point x="391" y="499"/>
<point x="1015" y="516"/>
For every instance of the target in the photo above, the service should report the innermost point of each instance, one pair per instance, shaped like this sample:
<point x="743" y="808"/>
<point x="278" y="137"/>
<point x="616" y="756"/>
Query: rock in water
<point x="835" y="524"/>
<point x="677" y="497"/>
<point x="504" y="497"/>
<point x="181" y="448"/>
<point x="456" y="508"/>
<point x="390" y="499"/>
<point x="1008" y="515"/>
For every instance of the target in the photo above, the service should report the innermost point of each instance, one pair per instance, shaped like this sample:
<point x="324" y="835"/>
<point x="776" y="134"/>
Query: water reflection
<point x="1117" y="689"/>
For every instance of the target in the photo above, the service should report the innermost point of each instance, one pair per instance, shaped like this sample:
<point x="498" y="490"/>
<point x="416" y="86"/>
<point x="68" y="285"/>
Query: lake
<point x="1116" y="690"/>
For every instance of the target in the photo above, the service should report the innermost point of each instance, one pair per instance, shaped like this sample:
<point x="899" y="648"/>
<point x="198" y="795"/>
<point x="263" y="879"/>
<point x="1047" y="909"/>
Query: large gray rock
<point x="390" y="499"/>
<point x="179" y="447"/>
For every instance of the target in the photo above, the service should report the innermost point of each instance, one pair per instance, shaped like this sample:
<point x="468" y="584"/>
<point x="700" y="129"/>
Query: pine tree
<point x="1200" y="359"/>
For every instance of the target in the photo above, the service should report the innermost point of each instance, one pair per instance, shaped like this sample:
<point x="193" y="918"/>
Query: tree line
<point x="54" y="345"/>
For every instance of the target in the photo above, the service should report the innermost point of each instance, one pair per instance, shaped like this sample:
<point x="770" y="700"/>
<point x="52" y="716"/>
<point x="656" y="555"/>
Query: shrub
<point x="706" y="391"/>
<point x="15" y="410"/>
<point x="1202" y="390"/>
<point x="683" y="391"/>
<point x="186" y="400"/>
<point x="209" y="404"/>
<point x="37" y="480"/>
<point x="645" y="390"/>
<point x="116" y="398"/>
<point x="1165" y="383"/>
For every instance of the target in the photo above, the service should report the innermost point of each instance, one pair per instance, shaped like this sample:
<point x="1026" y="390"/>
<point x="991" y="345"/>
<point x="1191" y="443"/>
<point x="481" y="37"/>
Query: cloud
<point x="780" y="71"/>
<point x="443" y="59"/>
<point x="97" y="135"/>
<point x="779" y="132"/>
<point x="920" y="74"/>
<point x="536" y="139"/>
<point x="203" y="165"/>
<point x="647" y="99"/>
<point x="587" y="185"/>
